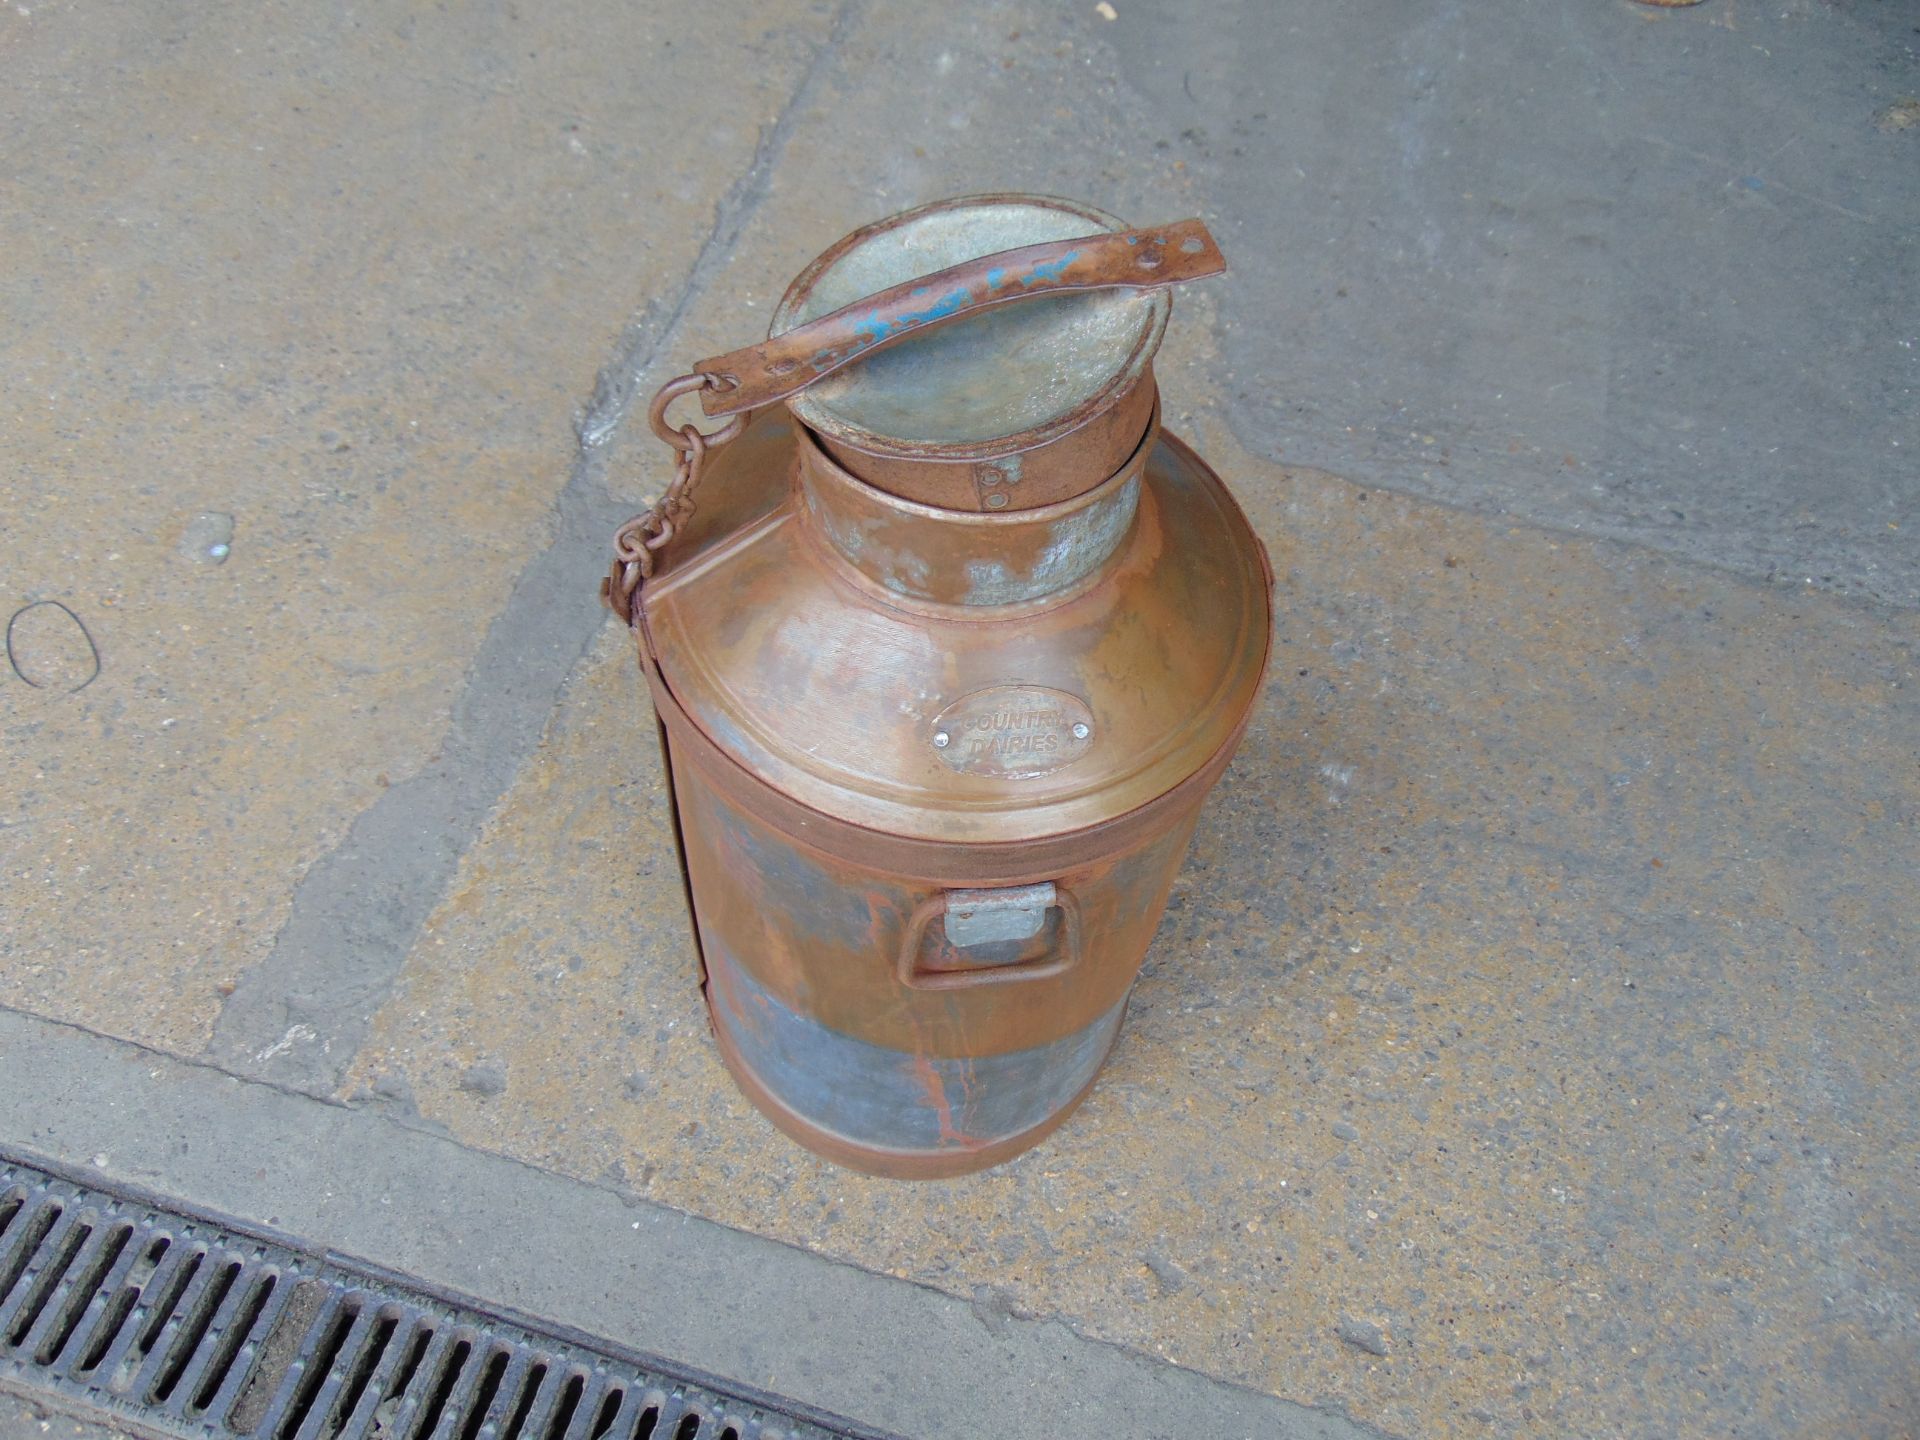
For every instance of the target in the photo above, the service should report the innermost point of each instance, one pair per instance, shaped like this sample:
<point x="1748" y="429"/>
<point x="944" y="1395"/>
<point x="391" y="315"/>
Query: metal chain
<point x="637" y="544"/>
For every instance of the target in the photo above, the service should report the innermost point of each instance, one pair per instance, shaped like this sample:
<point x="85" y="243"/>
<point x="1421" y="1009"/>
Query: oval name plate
<point x="1013" y="732"/>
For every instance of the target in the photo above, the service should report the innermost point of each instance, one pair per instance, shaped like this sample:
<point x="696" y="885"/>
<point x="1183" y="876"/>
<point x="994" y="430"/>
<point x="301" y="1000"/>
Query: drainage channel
<point x="179" y="1323"/>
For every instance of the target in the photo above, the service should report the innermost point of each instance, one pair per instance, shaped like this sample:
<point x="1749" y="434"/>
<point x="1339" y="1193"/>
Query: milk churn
<point x="946" y="650"/>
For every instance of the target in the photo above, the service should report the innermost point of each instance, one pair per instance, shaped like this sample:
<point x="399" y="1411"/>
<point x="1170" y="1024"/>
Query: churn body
<point x="947" y="659"/>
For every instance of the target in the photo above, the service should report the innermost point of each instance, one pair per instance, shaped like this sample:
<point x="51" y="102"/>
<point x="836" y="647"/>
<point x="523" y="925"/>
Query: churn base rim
<point x="896" y="1164"/>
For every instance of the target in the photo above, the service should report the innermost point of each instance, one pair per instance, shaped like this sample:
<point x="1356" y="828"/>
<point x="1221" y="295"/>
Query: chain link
<point x="637" y="544"/>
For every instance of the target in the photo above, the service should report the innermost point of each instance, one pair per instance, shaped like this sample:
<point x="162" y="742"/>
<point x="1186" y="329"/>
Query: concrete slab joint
<point x="299" y="1015"/>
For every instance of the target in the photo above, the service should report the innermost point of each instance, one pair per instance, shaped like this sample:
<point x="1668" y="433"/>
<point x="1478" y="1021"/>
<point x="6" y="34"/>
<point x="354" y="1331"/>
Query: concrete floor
<point x="24" y="1418"/>
<point x="1527" y="1048"/>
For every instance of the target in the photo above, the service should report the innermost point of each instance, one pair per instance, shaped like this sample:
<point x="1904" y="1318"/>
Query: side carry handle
<point x="983" y="929"/>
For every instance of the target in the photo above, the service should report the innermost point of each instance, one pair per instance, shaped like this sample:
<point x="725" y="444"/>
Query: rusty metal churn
<point x="946" y="658"/>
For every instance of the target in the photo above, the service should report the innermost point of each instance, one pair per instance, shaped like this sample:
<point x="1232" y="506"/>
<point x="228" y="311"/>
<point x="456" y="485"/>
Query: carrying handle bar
<point x="786" y="364"/>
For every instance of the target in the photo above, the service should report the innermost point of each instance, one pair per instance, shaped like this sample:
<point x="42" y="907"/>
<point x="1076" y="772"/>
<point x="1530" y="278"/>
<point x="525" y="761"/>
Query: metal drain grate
<point x="187" y="1325"/>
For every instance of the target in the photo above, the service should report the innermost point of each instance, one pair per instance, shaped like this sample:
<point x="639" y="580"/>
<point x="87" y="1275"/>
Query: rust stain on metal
<point x="936" y="1092"/>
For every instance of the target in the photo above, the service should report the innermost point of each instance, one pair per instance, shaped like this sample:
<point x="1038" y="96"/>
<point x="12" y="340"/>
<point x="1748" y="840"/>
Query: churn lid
<point x="1018" y="406"/>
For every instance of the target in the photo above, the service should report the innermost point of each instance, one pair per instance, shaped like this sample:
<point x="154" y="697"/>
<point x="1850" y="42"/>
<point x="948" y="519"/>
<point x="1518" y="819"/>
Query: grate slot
<point x="211" y="1308"/>
<point x="204" y="1349"/>
<point x="309" y="1371"/>
<point x="90" y="1338"/>
<point x="80" y="1291"/>
<point x="196" y="1328"/>
<point x="571" y="1399"/>
<point x="491" y="1408"/>
<point x="359" y="1380"/>
<point x="520" y="1420"/>
<point x="392" y="1392"/>
<point x="586" y="1415"/>
<point x="341" y="1354"/>
<point x="113" y="1332"/>
<point x="189" y="1312"/>
<point x="159" y="1302"/>
<point x="10" y="1203"/>
<point x="649" y="1417"/>
<point x="607" y="1412"/>
<point x="26" y="1244"/>
<point x="371" y="1369"/>
<point x="219" y="1385"/>
<point x="472" y="1396"/>
<point x="454" y="1367"/>
<point x="56" y="1255"/>
<point x="267" y="1383"/>
<point x="414" y="1396"/>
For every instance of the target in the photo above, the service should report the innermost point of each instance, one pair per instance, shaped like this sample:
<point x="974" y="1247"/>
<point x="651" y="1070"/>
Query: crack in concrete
<point x="297" y="1018"/>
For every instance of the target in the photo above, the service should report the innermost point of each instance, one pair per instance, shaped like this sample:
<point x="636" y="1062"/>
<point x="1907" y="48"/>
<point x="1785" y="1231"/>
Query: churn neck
<point x="923" y="555"/>
<point x="1021" y="407"/>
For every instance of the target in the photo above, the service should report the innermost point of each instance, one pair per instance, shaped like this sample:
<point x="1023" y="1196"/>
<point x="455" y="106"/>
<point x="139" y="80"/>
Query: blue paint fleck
<point x="876" y="327"/>
<point x="953" y="300"/>
<point x="996" y="278"/>
<point x="1049" y="271"/>
<point x="1754" y="182"/>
